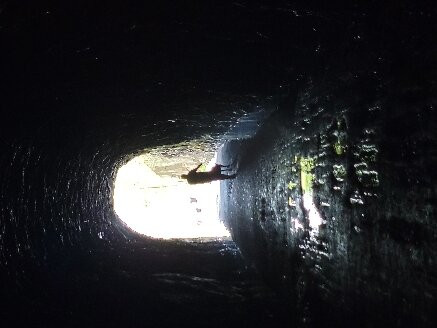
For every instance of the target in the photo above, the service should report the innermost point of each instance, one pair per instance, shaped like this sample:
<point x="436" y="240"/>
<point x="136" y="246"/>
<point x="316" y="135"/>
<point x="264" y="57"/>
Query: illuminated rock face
<point x="334" y="203"/>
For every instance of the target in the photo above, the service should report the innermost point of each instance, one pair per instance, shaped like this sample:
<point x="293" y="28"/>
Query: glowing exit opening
<point x="165" y="206"/>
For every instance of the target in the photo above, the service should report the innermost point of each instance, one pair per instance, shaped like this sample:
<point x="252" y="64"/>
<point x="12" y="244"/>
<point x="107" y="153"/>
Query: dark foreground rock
<point x="335" y="203"/>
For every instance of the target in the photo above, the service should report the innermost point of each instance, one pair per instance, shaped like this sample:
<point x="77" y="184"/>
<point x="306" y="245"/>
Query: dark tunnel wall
<point x="87" y="85"/>
<point x="60" y="238"/>
<point x="364" y="152"/>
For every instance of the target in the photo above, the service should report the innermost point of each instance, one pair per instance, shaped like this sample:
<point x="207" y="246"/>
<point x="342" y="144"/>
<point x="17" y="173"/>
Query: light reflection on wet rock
<point x="373" y="233"/>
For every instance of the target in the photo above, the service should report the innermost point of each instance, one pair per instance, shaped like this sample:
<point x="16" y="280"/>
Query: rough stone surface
<point x="335" y="204"/>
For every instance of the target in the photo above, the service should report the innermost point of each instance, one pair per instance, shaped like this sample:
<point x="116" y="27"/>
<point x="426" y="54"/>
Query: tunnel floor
<point x="332" y="213"/>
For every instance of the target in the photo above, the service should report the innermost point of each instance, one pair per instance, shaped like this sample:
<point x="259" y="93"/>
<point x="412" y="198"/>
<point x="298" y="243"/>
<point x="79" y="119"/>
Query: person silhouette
<point x="194" y="177"/>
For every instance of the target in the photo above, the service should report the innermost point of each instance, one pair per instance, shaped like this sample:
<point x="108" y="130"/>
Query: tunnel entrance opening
<point x="151" y="198"/>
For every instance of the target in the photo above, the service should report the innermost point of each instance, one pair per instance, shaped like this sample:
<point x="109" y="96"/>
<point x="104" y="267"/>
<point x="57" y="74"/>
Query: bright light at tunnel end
<point x="166" y="207"/>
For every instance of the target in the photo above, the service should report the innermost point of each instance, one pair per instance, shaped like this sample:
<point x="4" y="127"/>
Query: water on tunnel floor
<point x="327" y="112"/>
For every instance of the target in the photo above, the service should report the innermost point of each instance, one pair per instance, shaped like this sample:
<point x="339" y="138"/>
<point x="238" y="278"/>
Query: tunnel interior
<point x="326" y="112"/>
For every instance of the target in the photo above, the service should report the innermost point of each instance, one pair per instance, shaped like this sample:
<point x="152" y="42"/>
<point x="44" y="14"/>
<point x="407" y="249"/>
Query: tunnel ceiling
<point x="88" y="85"/>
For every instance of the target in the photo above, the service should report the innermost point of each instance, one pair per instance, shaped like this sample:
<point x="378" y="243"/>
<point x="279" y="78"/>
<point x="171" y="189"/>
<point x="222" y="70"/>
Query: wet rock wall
<point x="334" y="202"/>
<point x="65" y="257"/>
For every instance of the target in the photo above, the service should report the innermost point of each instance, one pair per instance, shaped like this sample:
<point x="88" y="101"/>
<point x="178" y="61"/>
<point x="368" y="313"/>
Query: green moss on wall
<point x="307" y="165"/>
<point x="339" y="148"/>
<point x="292" y="185"/>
